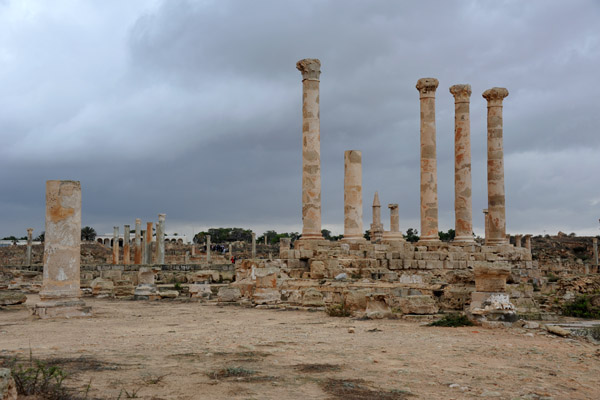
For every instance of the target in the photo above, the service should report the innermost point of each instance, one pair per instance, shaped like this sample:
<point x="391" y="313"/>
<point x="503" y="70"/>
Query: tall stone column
<point x="353" y="210"/>
<point x="115" y="247"/>
<point x="137" y="252"/>
<point x="29" y="246"/>
<point x="527" y="241"/>
<point x="486" y="225"/>
<point x="266" y="239"/>
<point x="429" y="198"/>
<point x="463" y="209"/>
<point x="143" y="247"/>
<point x="518" y="239"/>
<point x="126" y="245"/>
<point x="376" y="232"/>
<point x="394" y="233"/>
<point x="311" y="149"/>
<point x="208" y="248"/>
<point x="495" y="168"/>
<point x="148" y="244"/>
<point x="253" y="245"/>
<point x="160" y="239"/>
<point x="60" y="294"/>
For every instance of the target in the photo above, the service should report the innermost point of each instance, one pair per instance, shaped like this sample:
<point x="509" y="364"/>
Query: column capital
<point x="310" y="68"/>
<point x="161" y="217"/>
<point x="461" y="93"/>
<point x="376" y="202"/>
<point x="392" y="206"/>
<point x="29" y="231"/>
<point x="427" y="87"/>
<point x="495" y="95"/>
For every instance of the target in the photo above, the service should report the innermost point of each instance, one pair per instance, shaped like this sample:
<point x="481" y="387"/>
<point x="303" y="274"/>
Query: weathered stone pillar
<point x="376" y="232"/>
<point x="394" y="233"/>
<point x="230" y="250"/>
<point x="193" y="250"/>
<point x="143" y="246"/>
<point x="115" y="246"/>
<point x="207" y="248"/>
<point x="29" y="246"/>
<point x="595" y="244"/>
<point x="60" y="294"/>
<point x="463" y="210"/>
<point x="253" y="245"/>
<point x="528" y="242"/>
<point x="160" y="239"/>
<point x="486" y="225"/>
<point x="311" y="149"/>
<point x="495" y="169"/>
<point x="265" y="239"/>
<point x="148" y="244"/>
<point x="126" y="245"/>
<point x="429" y="198"/>
<point x="518" y="239"/>
<point x="137" y="252"/>
<point x="353" y="210"/>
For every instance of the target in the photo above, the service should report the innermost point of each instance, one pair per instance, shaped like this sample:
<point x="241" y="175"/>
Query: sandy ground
<point x="179" y="350"/>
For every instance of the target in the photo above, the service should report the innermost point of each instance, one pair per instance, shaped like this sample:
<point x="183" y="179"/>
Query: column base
<point x="64" y="308"/>
<point x="311" y="236"/>
<point x="429" y="241"/>
<point x="393" y="237"/>
<point x="354" y="239"/>
<point x="463" y="240"/>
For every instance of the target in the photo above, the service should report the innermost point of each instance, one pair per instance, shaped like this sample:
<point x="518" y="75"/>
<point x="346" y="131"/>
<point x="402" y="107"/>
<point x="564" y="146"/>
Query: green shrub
<point x="338" y="310"/>
<point x="452" y="320"/>
<point x="36" y="378"/>
<point x="581" y="307"/>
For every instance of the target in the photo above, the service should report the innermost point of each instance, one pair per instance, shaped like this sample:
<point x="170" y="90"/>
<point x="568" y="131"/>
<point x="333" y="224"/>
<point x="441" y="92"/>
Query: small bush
<point x="581" y="307"/>
<point x="178" y="287"/>
<point x="39" y="378"/>
<point x="452" y="320"/>
<point x="338" y="310"/>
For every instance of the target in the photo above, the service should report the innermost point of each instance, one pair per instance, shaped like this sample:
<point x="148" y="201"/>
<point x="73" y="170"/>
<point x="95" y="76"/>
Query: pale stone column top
<point x="427" y="87"/>
<point x="376" y="200"/>
<point x="138" y="221"/>
<point x="392" y="206"/>
<point x="29" y="230"/>
<point x="485" y="210"/>
<point x="310" y="68"/>
<point x="161" y="217"/>
<point x="461" y="93"/>
<point x="495" y="95"/>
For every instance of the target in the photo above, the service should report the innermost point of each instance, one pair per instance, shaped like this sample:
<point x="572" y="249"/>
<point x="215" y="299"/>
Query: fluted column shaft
<point x="353" y="209"/>
<point x="253" y="245"/>
<point x="311" y="149"/>
<point x="148" y="244"/>
<point x="29" y="244"/>
<point x="115" y="247"/>
<point x="126" y="245"/>
<point x="394" y="218"/>
<point x="463" y="210"/>
<point x="495" y="167"/>
<point x="160" y="239"/>
<point x="208" y="248"/>
<point x="137" y="252"/>
<point x="429" y="198"/>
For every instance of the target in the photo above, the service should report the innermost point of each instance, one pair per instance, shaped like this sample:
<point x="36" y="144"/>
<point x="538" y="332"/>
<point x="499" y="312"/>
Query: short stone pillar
<point x="160" y="239"/>
<point x="495" y="166"/>
<point x="518" y="239"/>
<point x="115" y="246"/>
<point x="266" y="239"/>
<point x="208" y="248"/>
<point x="29" y="246"/>
<point x="353" y="210"/>
<point x="230" y="250"/>
<point x="489" y="301"/>
<point x="148" y="243"/>
<point x="146" y="288"/>
<point x="60" y="294"/>
<point x="253" y="245"/>
<point x="429" y="197"/>
<point x="137" y="251"/>
<point x="527" y="242"/>
<point x="376" y="231"/>
<point x="284" y="244"/>
<point x="463" y="209"/>
<point x="595" y="244"/>
<point x="486" y="225"/>
<point x="394" y="233"/>
<point x="311" y="149"/>
<point x="126" y="245"/>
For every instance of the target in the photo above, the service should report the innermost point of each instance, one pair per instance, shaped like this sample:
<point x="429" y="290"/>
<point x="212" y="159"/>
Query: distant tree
<point x="88" y="233"/>
<point x="222" y="235"/>
<point x="411" y="235"/>
<point x="326" y="234"/>
<point x="367" y="235"/>
<point x="447" y="236"/>
<point x="41" y="237"/>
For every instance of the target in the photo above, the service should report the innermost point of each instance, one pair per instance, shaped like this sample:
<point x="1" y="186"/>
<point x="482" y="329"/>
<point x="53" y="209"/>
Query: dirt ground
<point x="190" y="350"/>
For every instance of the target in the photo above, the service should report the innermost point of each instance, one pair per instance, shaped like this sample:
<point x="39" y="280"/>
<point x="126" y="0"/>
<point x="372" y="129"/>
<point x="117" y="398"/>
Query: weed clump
<point x="338" y="310"/>
<point x="36" y="378"/>
<point x="452" y="320"/>
<point x="231" y="372"/>
<point x="581" y="307"/>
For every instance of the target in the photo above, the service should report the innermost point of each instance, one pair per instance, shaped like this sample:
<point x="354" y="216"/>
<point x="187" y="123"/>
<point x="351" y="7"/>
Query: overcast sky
<point x="193" y="108"/>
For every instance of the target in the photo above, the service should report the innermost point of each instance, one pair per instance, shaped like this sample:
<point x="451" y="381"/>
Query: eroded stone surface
<point x="353" y="218"/>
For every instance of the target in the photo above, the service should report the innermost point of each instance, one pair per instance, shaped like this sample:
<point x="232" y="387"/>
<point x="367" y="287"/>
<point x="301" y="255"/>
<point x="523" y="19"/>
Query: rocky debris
<point x="228" y="294"/>
<point x="418" y="304"/>
<point x="8" y="388"/>
<point x="123" y="288"/>
<point x="201" y="291"/>
<point x="377" y="307"/>
<point x="12" y="297"/>
<point x="102" y="288"/>
<point x="312" y="298"/>
<point x="146" y="291"/>
<point x="557" y="330"/>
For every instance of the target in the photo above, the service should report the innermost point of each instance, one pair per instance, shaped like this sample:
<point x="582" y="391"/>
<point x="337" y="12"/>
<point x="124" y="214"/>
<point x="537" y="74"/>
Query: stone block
<point x="317" y="269"/>
<point x="102" y="287"/>
<point x="356" y="299"/>
<point x="430" y="255"/>
<point x="491" y="278"/>
<point x="377" y="307"/>
<point x="395" y="264"/>
<point x="266" y="296"/>
<point x="12" y="297"/>
<point x="113" y="275"/>
<point x="418" y="305"/>
<point x="228" y="294"/>
<point x="312" y="298"/>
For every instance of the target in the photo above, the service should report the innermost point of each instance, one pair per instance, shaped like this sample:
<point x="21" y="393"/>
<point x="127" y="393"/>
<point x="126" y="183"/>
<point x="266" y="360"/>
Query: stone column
<point x="463" y="210"/>
<point x="486" y="225"/>
<point x="60" y="294"/>
<point x="137" y="255"/>
<point x="126" y="245"/>
<point x="495" y="169"/>
<point x="253" y="245"/>
<point x="143" y="247"/>
<point x="394" y="233"/>
<point x="148" y="244"/>
<point x="518" y="239"/>
<point x="376" y="227"/>
<point x="115" y="247"/>
<point x="353" y="210"/>
<point x="230" y="251"/>
<point x="595" y="243"/>
<point x="193" y="250"/>
<point x="160" y="239"/>
<point x="311" y="149"/>
<point x="265" y="239"/>
<point x="207" y="248"/>
<point x="528" y="242"/>
<point x="29" y="246"/>
<point x="429" y="198"/>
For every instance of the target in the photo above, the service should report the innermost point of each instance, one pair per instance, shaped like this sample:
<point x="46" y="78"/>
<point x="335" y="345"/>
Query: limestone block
<point x="113" y="275"/>
<point x="478" y="256"/>
<point x="377" y="306"/>
<point x="312" y="298"/>
<point x="418" y="255"/>
<point x="168" y="294"/>
<point x="266" y="296"/>
<point x="146" y="276"/>
<point x="430" y="255"/>
<point x="418" y="305"/>
<point x="228" y="294"/>
<point x="395" y="264"/>
<point x="305" y="253"/>
<point x="411" y="278"/>
<point x="146" y="291"/>
<point x="201" y="291"/>
<point x="8" y="388"/>
<point x="491" y="278"/>
<point x="317" y="269"/>
<point x="102" y="287"/>
<point x="390" y="276"/>
<point x="12" y="297"/>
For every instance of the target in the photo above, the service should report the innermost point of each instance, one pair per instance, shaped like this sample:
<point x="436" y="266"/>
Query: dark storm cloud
<point x="194" y="108"/>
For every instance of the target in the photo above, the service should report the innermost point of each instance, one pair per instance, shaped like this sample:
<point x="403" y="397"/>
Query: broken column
<point x="137" y="252"/>
<point x="253" y="245"/>
<point x="146" y="288"/>
<point x="115" y="246"/>
<point x="148" y="243"/>
<point x="528" y="242"/>
<point x="29" y="246"/>
<point x="518" y="239"/>
<point x="489" y="301"/>
<point x="463" y="211"/>
<point x="60" y="294"/>
<point x="126" y="245"/>
<point x="311" y="149"/>
<point x="429" y="198"/>
<point x="143" y="246"/>
<point x="160" y="239"/>
<point x="353" y="218"/>
<point x="376" y="232"/>
<point x="207" y="248"/>
<point x="230" y="250"/>
<point x="394" y="233"/>
<point x="495" y="169"/>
